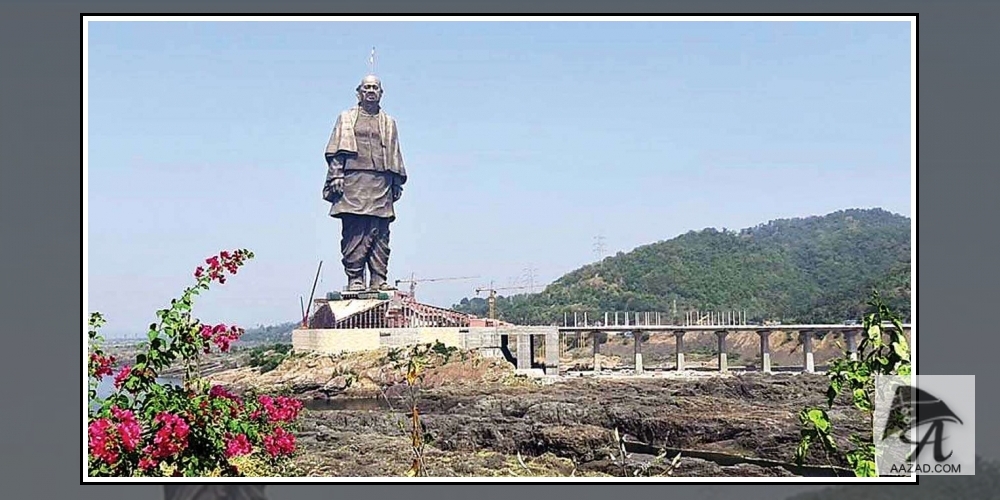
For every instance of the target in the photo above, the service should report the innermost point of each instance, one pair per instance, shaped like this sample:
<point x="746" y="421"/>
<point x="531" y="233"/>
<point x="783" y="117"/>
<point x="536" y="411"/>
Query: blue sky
<point x="523" y="141"/>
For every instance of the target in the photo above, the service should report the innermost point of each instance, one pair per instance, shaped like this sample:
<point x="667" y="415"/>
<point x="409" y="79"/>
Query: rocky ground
<point x="480" y="419"/>
<point x="212" y="363"/>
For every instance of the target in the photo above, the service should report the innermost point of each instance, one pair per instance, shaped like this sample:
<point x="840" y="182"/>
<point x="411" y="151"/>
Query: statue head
<point x="370" y="90"/>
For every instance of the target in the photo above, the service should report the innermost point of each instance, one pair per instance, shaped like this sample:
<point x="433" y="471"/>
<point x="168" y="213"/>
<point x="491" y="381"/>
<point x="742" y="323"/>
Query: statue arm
<point x="335" y="167"/>
<point x="334" y="184"/>
<point x="397" y="186"/>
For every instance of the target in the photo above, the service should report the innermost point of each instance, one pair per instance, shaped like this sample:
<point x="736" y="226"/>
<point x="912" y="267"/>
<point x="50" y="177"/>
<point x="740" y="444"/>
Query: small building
<point x="391" y="309"/>
<point x="364" y="321"/>
<point x="484" y="322"/>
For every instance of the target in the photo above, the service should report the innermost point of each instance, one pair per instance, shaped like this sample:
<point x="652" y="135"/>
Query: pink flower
<point x="171" y="438"/>
<point x="122" y="376"/>
<point x="102" y="440"/>
<point x="281" y="442"/>
<point x="221" y="335"/>
<point x="128" y="428"/>
<point x="226" y="261"/>
<point x="100" y="365"/>
<point x="239" y="445"/>
<point x="217" y="391"/>
<point x="280" y="409"/>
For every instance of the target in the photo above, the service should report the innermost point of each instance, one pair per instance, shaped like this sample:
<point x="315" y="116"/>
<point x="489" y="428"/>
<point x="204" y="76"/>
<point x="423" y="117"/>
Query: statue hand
<point x="332" y="189"/>
<point x="397" y="192"/>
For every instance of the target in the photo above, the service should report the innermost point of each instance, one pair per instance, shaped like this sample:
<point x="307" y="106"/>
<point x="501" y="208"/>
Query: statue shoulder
<point x="347" y="115"/>
<point x="389" y="118"/>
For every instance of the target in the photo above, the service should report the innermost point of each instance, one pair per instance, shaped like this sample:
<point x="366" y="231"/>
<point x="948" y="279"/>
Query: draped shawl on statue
<point x="342" y="139"/>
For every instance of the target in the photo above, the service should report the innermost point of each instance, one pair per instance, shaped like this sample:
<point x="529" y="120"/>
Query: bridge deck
<point x="715" y="328"/>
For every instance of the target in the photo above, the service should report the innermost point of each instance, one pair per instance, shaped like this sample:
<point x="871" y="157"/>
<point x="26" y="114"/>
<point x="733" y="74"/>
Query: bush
<point x="268" y="358"/>
<point x="148" y="428"/>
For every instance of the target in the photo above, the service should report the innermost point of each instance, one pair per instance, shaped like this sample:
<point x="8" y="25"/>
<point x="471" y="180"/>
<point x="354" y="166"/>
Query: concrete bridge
<point x="358" y="323"/>
<point x="552" y="335"/>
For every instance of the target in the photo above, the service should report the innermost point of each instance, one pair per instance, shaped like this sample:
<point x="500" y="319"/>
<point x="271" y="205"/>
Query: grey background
<point x="40" y="210"/>
<point x="959" y="393"/>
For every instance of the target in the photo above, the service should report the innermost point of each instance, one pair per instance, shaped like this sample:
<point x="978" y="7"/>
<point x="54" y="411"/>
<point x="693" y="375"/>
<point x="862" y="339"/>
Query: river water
<point x="107" y="385"/>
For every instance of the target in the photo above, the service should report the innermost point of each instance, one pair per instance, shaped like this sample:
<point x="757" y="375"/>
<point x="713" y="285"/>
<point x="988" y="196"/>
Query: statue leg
<point x="354" y="248"/>
<point x="378" y="258"/>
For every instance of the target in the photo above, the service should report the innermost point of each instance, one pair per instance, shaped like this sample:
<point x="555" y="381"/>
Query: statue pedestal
<point x="361" y="295"/>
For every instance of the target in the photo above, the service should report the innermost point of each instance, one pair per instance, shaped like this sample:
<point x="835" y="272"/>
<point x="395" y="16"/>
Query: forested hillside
<point x="815" y="269"/>
<point x="271" y="334"/>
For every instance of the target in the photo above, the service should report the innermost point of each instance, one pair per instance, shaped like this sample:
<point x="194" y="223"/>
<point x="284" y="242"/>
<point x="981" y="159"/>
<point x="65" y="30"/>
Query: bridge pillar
<point x="723" y="361"/>
<point x="807" y="351"/>
<point x="524" y="351"/>
<point x="597" y="345"/>
<point x="637" y="337"/>
<point x="679" y="337"/>
<point x="851" y="339"/>
<point x="552" y="352"/>
<point x="765" y="350"/>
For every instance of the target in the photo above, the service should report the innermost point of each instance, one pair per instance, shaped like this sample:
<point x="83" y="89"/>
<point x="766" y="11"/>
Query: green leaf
<point x="819" y="419"/>
<point x="830" y="442"/>
<point x="874" y="331"/>
<point x="901" y="350"/>
<point x="803" y="449"/>
<point x="865" y="468"/>
<point x="861" y="400"/>
<point x="831" y="395"/>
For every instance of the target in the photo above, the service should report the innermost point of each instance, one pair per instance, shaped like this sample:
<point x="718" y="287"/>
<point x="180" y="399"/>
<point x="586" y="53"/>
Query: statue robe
<point x="368" y="185"/>
<point x="363" y="151"/>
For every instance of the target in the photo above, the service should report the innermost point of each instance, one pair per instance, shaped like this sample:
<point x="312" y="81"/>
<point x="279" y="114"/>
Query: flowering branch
<point x="149" y="428"/>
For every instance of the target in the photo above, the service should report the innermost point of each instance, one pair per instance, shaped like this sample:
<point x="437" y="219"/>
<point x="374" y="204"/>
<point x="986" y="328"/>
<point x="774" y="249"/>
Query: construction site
<point x="394" y="308"/>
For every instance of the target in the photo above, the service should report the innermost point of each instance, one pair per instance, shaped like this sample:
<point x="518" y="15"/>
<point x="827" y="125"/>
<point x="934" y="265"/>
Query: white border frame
<point x="912" y="19"/>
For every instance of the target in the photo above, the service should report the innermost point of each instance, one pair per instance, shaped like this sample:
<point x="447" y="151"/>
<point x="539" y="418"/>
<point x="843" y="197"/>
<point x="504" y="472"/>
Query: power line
<point x="530" y="274"/>
<point x="599" y="246"/>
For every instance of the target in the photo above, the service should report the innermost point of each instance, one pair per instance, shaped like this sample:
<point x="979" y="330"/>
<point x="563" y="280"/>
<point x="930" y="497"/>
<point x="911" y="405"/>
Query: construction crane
<point x="492" y="299"/>
<point x="413" y="282"/>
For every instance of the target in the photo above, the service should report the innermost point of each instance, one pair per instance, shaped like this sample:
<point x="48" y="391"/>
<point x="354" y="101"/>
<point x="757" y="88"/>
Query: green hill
<point x="271" y="334"/>
<point x="985" y="485"/>
<point x="815" y="269"/>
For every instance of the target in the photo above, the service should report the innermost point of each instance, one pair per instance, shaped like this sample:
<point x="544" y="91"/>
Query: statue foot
<point x="355" y="286"/>
<point x="380" y="286"/>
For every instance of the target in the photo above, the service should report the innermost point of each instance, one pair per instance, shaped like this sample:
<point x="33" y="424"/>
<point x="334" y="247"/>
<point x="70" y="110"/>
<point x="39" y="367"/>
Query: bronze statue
<point x="365" y="177"/>
<point x="214" y="492"/>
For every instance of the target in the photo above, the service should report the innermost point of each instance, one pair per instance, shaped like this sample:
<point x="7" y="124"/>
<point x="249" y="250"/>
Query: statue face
<point x="370" y="90"/>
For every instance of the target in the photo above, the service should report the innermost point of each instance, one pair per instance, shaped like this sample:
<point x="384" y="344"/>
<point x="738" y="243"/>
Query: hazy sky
<point x="523" y="141"/>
